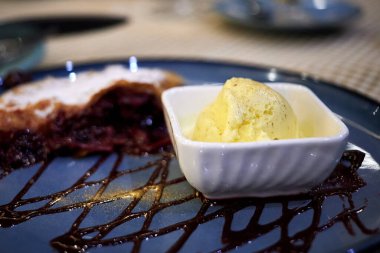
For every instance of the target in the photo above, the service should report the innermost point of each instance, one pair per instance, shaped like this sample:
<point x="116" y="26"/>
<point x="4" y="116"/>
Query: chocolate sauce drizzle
<point x="343" y="182"/>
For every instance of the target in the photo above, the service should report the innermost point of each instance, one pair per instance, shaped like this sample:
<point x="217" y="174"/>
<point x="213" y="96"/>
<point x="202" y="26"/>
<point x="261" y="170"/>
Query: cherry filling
<point x="122" y="119"/>
<point x="21" y="148"/>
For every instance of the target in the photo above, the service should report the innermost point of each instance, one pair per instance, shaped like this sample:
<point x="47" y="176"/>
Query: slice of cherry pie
<point x="103" y="111"/>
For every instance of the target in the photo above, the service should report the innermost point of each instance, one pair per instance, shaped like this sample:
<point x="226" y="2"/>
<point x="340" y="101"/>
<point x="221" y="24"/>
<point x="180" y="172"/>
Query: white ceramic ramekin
<point x="255" y="169"/>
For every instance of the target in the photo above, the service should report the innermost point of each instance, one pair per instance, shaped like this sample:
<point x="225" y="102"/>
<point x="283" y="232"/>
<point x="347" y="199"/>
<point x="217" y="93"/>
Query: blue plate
<point x="128" y="203"/>
<point x="303" y="15"/>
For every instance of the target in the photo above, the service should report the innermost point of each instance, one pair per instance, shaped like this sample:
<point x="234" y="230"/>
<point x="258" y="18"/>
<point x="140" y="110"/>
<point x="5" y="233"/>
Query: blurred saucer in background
<point x="291" y="15"/>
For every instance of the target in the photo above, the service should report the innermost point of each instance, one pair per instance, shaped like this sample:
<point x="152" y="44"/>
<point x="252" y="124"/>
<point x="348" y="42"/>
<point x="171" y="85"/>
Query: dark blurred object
<point x="58" y="25"/>
<point x="15" y="78"/>
<point x="289" y="15"/>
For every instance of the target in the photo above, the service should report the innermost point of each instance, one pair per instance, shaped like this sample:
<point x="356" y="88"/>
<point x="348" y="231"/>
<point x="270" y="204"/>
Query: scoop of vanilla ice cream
<point x="245" y="111"/>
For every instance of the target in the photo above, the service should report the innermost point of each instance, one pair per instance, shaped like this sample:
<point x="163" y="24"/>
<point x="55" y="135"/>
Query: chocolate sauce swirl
<point x="343" y="182"/>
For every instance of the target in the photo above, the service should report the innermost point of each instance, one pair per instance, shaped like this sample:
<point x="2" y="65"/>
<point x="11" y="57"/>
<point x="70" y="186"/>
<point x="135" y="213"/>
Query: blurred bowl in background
<point x="21" y="47"/>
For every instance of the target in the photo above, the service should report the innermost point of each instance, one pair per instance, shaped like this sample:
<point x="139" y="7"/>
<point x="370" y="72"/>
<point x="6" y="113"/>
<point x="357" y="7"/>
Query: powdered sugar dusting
<point x="74" y="92"/>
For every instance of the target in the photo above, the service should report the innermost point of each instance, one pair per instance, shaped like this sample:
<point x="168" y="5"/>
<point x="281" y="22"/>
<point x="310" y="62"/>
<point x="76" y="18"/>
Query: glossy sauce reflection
<point x="343" y="182"/>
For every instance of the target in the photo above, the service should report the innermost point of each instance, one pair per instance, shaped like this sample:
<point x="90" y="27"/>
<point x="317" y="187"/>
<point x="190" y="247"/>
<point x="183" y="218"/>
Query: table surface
<point x="161" y="28"/>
